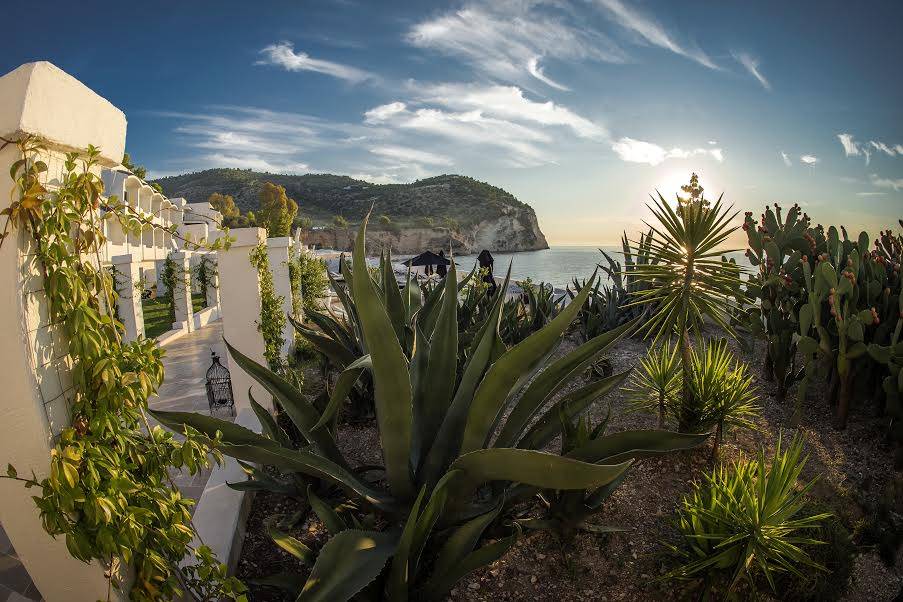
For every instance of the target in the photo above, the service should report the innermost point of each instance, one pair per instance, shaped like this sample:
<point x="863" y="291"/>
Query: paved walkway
<point x="185" y="367"/>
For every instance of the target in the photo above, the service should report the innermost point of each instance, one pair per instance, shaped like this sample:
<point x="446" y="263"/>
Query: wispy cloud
<point x="809" y="159"/>
<point x="256" y="162"/>
<point x="895" y="184"/>
<point x="751" y="64"/>
<point x="639" y="151"/>
<point x="505" y="39"/>
<point x="536" y="71"/>
<point x="403" y="153"/>
<point x="852" y="148"/>
<point x="651" y="31"/>
<point x="786" y="158"/>
<point x="891" y="151"/>
<point x="282" y="54"/>
<point x="871" y="194"/>
<point x="384" y="112"/>
<point x="508" y="102"/>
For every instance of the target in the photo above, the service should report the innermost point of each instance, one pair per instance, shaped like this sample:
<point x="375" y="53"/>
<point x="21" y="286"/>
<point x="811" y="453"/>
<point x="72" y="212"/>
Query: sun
<point x="669" y="181"/>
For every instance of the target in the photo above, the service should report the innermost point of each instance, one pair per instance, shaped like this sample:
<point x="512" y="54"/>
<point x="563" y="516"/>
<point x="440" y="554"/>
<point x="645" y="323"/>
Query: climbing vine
<point x="170" y="274"/>
<point x="205" y="273"/>
<point x="109" y="492"/>
<point x="272" y="319"/>
<point x="313" y="283"/>
<point x="294" y="278"/>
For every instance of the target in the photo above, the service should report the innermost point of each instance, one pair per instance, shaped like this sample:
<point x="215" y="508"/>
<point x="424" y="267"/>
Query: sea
<point x="558" y="265"/>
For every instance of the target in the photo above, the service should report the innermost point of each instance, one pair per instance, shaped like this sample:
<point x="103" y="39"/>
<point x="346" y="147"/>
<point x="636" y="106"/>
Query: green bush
<point x="745" y="521"/>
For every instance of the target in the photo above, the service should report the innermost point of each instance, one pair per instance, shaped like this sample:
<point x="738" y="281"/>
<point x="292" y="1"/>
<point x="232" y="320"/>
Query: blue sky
<point x="580" y="108"/>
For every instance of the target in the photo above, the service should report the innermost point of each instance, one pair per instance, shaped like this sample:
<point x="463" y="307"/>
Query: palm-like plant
<point x="720" y="393"/>
<point x="689" y="279"/>
<point x="456" y="445"/>
<point x="656" y="383"/>
<point x="744" y="519"/>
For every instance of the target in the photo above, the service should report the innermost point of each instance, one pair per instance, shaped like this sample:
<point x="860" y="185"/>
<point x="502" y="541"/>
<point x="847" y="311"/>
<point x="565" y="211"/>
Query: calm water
<point x="558" y="265"/>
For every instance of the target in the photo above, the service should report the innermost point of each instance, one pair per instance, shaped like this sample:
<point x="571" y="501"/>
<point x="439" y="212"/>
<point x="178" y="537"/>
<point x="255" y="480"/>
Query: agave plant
<point x="456" y="446"/>
<point x="745" y="521"/>
<point x="655" y="385"/>
<point x="528" y="312"/>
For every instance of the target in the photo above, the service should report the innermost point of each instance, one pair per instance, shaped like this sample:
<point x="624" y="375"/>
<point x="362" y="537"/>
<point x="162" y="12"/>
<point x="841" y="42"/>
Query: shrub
<point x="655" y="386"/>
<point x="745" y="521"/>
<point x="447" y="475"/>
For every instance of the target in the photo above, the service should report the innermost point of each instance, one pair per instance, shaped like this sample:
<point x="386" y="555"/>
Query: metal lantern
<point x="219" y="387"/>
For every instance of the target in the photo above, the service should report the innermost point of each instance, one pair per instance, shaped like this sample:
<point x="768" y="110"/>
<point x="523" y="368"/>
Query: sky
<point x="581" y="108"/>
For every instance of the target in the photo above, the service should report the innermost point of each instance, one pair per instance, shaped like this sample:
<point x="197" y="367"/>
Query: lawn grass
<point x="158" y="314"/>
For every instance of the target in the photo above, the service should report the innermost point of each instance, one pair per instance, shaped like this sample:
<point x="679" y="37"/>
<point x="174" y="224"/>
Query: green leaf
<point x="530" y="467"/>
<point x="291" y="545"/>
<point x="443" y="360"/>
<point x="391" y="381"/>
<point x="627" y="445"/>
<point x="441" y="584"/>
<point x="510" y="369"/>
<point x="402" y="572"/>
<point x="463" y="540"/>
<point x="343" y="386"/>
<point x="326" y="513"/>
<point x="347" y="564"/>
<point x="268" y="423"/>
<point x="232" y="433"/>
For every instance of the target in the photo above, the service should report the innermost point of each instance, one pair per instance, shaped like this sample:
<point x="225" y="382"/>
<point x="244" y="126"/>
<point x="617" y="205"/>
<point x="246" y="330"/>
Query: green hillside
<point x="321" y="196"/>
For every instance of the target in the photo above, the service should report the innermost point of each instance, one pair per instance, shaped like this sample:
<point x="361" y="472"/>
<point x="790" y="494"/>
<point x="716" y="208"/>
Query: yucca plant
<point x="721" y="393"/>
<point x="656" y="384"/>
<point x="688" y="278"/>
<point x="744" y="522"/>
<point x="456" y="446"/>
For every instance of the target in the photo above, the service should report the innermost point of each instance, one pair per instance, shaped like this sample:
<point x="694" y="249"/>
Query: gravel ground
<point x="856" y="475"/>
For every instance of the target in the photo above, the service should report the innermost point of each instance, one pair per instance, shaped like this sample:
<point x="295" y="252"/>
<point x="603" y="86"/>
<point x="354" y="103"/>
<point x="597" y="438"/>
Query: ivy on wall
<point x="108" y="493"/>
<point x="205" y="273"/>
<point x="272" y="320"/>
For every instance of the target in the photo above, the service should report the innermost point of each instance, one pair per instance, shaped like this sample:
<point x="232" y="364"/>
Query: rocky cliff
<point x="407" y="218"/>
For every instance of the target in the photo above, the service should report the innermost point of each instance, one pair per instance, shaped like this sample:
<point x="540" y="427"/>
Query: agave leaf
<point x="420" y="385"/>
<point x="625" y="445"/>
<point x="441" y="584"/>
<point x="394" y="302"/>
<point x="344" y="384"/>
<point x="510" y="369"/>
<point x="551" y="378"/>
<point x="268" y="423"/>
<point x="391" y="381"/>
<point x="291" y="545"/>
<point x="529" y="467"/>
<point x="403" y="569"/>
<point x="430" y="516"/>
<point x="572" y="404"/>
<point x="302" y="413"/>
<point x="209" y="426"/>
<point x="326" y="513"/>
<point x="448" y="440"/>
<point x="313" y="465"/>
<point x="289" y="582"/>
<point x="443" y="360"/>
<point x="335" y="352"/>
<point x="463" y="540"/>
<point x="347" y="564"/>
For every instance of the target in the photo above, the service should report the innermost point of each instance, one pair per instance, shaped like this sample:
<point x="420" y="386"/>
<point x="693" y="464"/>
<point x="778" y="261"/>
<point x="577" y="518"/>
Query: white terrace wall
<point x="39" y="98"/>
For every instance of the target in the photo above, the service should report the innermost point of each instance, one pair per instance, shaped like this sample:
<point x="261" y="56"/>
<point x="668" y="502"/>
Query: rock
<point x="533" y="579"/>
<point x="540" y="557"/>
<point x="473" y="586"/>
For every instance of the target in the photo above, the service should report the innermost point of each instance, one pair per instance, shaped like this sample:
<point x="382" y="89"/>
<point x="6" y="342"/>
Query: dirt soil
<point x="857" y="484"/>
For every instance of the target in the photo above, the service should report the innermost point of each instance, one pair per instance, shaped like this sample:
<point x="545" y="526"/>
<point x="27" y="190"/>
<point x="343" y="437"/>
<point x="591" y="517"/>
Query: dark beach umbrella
<point x="426" y="258"/>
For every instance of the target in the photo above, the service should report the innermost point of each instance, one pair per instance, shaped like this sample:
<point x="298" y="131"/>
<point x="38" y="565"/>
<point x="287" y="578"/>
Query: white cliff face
<point x="516" y="230"/>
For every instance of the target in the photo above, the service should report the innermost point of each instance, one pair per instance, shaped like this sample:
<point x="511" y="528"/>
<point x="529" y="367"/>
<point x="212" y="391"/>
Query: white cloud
<point x="402" y="153"/>
<point x="871" y="194"/>
<point x="384" y="112"/>
<point x="751" y="64"/>
<point x="509" y="102"/>
<point x="786" y="159"/>
<point x="650" y="31"/>
<point x="257" y="163"/>
<point x="501" y="39"/>
<point x="283" y="54"/>
<point x="638" y="151"/>
<point x="851" y="148"/>
<point x="383" y="178"/>
<point x="887" y="150"/>
<point x="536" y="71"/>
<point x="713" y="142"/>
<point x="809" y="159"/>
<point x="896" y="184"/>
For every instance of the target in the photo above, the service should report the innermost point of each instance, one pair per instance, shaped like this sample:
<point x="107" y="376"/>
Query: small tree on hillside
<point x="225" y="204"/>
<point x="277" y="211"/>
<point x="338" y="222"/>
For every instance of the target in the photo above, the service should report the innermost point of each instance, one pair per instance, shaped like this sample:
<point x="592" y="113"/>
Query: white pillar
<point x="128" y="305"/>
<point x="181" y="297"/>
<point x="213" y="287"/>
<point x="240" y="311"/>
<point x="38" y="98"/>
<point x="279" y="252"/>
